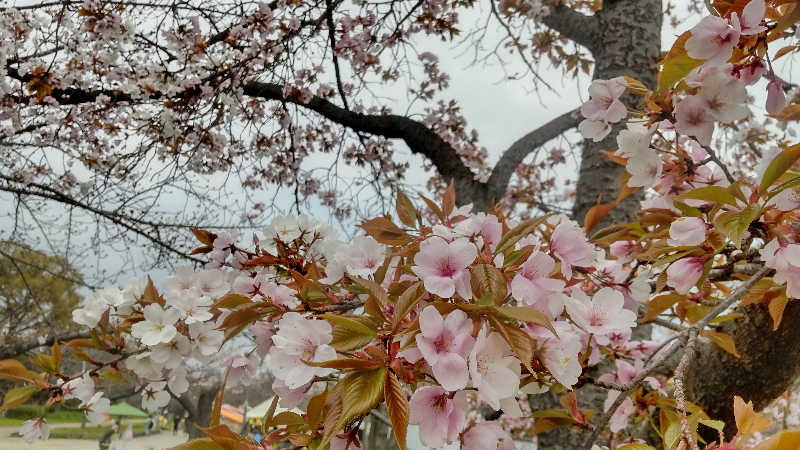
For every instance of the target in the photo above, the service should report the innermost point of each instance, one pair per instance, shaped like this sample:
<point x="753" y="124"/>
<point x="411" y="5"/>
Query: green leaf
<point x="349" y="334"/>
<point x="397" y="407"/>
<point x="677" y="64"/>
<point x="525" y="314"/>
<point x="733" y="224"/>
<point x="779" y="165"/>
<point x="361" y="391"/>
<point x="406" y="302"/>
<point x="518" y="232"/>
<point x="716" y="194"/>
<point x="406" y="210"/>
<point x="287" y="418"/>
<point x="487" y="279"/>
<point x="374" y="289"/>
<point x="18" y="396"/>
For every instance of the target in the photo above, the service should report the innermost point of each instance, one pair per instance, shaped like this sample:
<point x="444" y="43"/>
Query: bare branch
<point x="577" y="27"/>
<point x="15" y="351"/>
<point x="523" y="147"/>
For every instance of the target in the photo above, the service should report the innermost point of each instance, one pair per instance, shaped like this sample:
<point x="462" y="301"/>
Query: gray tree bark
<point x="626" y="42"/>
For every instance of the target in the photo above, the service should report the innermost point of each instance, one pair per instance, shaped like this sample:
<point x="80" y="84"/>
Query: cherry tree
<point x="459" y="303"/>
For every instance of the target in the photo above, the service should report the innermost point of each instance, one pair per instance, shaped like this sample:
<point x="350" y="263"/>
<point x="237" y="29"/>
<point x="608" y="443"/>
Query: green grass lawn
<point x="94" y="432"/>
<point x="53" y="417"/>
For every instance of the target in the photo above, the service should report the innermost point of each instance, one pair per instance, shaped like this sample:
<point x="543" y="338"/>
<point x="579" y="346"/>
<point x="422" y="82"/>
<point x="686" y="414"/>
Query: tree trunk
<point x="629" y="45"/>
<point x="201" y="416"/>
<point x="769" y="362"/>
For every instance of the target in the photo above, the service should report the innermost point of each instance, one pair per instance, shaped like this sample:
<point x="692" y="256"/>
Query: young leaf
<point x="18" y="396"/>
<point x="199" y="444"/>
<point x="518" y="340"/>
<point x="397" y="407"/>
<point x="11" y="369"/>
<point x="487" y="279"/>
<point x="349" y="334"/>
<point x="374" y="289"/>
<point x="779" y="165"/>
<point x="361" y="391"/>
<point x="747" y="420"/>
<point x="406" y="210"/>
<point x="216" y="407"/>
<point x="520" y="231"/>
<point x="449" y="199"/>
<point x="776" y="307"/>
<point x="525" y="314"/>
<point x="406" y="302"/>
<point x="660" y="304"/>
<point x="716" y="194"/>
<point x="677" y="64"/>
<point x="385" y="231"/>
<point x="725" y="341"/>
<point x="733" y="224"/>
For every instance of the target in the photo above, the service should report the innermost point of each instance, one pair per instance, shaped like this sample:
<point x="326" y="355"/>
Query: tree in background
<point x="38" y="293"/>
<point x="238" y="89"/>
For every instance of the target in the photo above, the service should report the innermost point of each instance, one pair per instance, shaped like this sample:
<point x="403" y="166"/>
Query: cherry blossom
<point x="604" y="103"/>
<point x="262" y="335"/>
<point x="713" y="39"/>
<point x="297" y="340"/>
<point x="96" y="408"/>
<point x="440" y="417"/>
<point x="785" y="259"/>
<point x="206" y="337"/>
<point x="776" y="98"/>
<point x="485" y="225"/>
<point x="684" y="273"/>
<point x="158" y="324"/>
<point x="34" y="429"/>
<point x="560" y="353"/>
<point x="568" y="243"/>
<point x="603" y="315"/>
<point x="752" y="14"/>
<point x="596" y="130"/>
<point x="495" y="372"/>
<point x="693" y="115"/>
<point x="619" y="420"/>
<point x="155" y="397"/>
<point x="533" y="286"/>
<point x="365" y="256"/>
<point x="787" y="199"/>
<point x="487" y="436"/>
<point x="445" y="344"/>
<point x="442" y="266"/>
<point x="687" y="231"/>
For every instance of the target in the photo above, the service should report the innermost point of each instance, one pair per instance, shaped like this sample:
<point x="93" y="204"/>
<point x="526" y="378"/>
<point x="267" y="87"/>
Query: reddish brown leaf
<point x="397" y="407"/>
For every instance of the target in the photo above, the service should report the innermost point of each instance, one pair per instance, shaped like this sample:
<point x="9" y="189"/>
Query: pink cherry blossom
<point x="34" y="429"/>
<point x="442" y="266"/>
<point x="560" y="353"/>
<point x="750" y="73"/>
<point x="299" y="339"/>
<point x="494" y="370"/>
<point x="445" y="344"/>
<point x="568" y="243"/>
<point x="693" y="118"/>
<point x="787" y="199"/>
<point x="752" y="14"/>
<point x="619" y="420"/>
<point x="481" y="224"/>
<point x="365" y="256"/>
<point x="487" y="436"/>
<point x="687" y="231"/>
<point x="289" y="398"/>
<point x="601" y="316"/>
<point x="241" y="368"/>
<point x="533" y="286"/>
<point x="725" y="96"/>
<point x="776" y="98"/>
<point x="684" y="273"/>
<point x="604" y="103"/>
<point x="623" y="250"/>
<point x="785" y="259"/>
<point x="440" y="417"/>
<point x="596" y="130"/>
<point x="262" y="335"/>
<point x="713" y="39"/>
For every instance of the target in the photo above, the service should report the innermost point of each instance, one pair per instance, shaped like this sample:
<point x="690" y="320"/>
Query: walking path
<point x="159" y="441"/>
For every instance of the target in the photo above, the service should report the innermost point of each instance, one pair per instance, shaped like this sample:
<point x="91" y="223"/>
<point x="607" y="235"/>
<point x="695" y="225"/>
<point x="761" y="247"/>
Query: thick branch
<point x="18" y="350"/>
<point x="577" y="27"/>
<point x="524" y="146"/>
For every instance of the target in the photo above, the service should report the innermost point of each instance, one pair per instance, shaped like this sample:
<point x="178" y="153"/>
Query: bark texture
<point x="770" y="361"/>
<point x="629" y="44"/>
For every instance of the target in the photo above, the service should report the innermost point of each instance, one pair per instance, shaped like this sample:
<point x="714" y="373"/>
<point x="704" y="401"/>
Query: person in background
<point x="176" y="422"/>
<point x="149" y="426"/>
